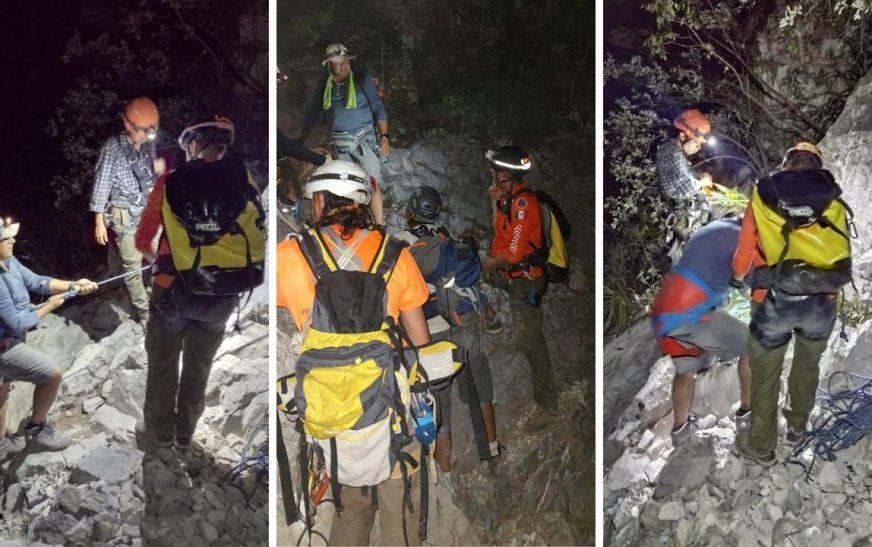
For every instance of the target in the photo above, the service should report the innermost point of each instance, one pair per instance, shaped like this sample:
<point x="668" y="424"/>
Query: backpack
<point x="355" y="378"/>
<point x="804" y="230"/>
<point x="453" y="268"/>
<point x="215" y="226"/>
<point x="556" y="230"/>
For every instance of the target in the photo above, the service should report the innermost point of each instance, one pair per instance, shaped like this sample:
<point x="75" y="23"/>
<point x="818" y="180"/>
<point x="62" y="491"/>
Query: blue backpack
<point x="442" y="259"/>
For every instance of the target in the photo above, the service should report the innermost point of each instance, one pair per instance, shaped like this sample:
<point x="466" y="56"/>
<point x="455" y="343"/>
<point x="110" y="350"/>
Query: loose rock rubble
<point x="103" y="490"/>
<point x="701" y="493"/>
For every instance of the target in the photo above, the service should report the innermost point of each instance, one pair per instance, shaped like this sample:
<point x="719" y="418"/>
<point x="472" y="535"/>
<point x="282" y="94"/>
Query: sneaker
<point x="743" y="421"/>
<point x="45" y="437"/>
<point x="10" y="446"/>
<point x="743" y="448"/>
<point x="691" y="426"/>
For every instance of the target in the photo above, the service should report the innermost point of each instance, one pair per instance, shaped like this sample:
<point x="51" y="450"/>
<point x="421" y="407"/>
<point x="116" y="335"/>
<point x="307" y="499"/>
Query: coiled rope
<point x="846" y="418"/>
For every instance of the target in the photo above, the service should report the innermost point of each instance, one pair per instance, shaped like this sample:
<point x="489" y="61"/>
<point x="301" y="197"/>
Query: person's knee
<point x="56" y="377"/>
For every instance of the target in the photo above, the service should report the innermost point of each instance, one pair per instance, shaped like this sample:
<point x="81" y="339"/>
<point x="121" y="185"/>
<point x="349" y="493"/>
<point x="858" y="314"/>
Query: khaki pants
<point x="527" y="321"/>
<point x="352" y="526"/>
<point x="809" y="321"/>
<point x="129" y="259"/>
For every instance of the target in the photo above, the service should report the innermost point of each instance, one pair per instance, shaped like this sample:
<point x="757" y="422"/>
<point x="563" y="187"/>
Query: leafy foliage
<point x="729" y="56"/>
<point x="190" y="57"/>
<point x="493" y="87"/>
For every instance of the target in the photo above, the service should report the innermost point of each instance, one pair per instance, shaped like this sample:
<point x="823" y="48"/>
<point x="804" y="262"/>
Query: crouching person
<point x="692" y="327"/>
<point x="20" y="362"/>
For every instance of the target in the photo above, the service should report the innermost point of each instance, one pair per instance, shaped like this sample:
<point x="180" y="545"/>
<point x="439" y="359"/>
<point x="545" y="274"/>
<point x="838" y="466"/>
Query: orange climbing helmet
<point x="694" y="124"/>
<point x="141" y="116"/>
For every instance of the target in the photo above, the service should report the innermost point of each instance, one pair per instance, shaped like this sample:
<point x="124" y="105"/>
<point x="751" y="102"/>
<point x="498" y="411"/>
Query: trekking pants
<point x="773" y="323"/>
<point x="468" y="339"/>
<point x="129" y="258"/>
<point x="175" y="401"/>
<point x="361" y="148"/>
<point x="352" y="526"/>
<point x="527" y="322"/>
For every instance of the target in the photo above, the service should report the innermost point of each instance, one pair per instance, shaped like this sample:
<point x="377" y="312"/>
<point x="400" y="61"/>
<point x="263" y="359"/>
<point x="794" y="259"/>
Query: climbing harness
<point x="845" y="420"/>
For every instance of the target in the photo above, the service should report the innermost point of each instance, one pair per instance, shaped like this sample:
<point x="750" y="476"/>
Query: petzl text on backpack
<point x="215" y="227"/>
<point x="352" y="389"/>
<point x="803" y="231"/>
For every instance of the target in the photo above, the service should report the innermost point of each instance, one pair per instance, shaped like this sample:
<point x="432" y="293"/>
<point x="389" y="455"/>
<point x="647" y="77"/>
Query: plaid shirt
<point x="674" y="175"/>
<point x="115" y="183"/>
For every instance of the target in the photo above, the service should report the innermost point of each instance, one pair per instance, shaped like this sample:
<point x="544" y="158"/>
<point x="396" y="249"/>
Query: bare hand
<point x="85" y="286"/>
<point x="100" y="234"/>
<point x="55" y="301"/>
<point x="160" y="166"/>
<point x="705" y="181"/>
<point x="494" y="191"/>
<point x="384" y="148"/>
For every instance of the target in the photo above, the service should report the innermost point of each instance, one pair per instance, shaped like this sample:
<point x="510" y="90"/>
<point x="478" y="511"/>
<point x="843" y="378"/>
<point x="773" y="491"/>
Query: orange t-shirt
<point x="514" y="234"/>
<point x="295" y="283"/>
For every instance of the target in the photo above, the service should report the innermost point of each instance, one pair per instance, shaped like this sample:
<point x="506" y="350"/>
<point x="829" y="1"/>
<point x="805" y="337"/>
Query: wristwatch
<point x="385" y="136"/>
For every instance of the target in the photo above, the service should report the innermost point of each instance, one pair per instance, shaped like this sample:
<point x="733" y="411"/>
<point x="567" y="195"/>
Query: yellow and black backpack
<point x="804" y="230"/>
<point x="215" y="226"/>
<point x="356" y="379"/>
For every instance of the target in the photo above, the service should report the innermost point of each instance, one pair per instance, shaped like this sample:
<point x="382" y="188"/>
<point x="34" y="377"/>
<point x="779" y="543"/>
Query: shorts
<point x="22" y="363"/>
<point x="720" y="335"/>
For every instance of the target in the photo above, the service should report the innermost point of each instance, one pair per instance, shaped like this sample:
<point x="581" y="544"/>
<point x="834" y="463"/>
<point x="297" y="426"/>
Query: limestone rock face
<point x="524" y="498"/>
<point x="103" y="490"/>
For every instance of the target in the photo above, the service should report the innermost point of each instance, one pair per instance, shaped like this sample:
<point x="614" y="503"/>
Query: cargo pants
<point x="193" y="327"/>
<point x="809" y="320"/>
<point x="129" y="259"/>
<point x="527" y="321"/>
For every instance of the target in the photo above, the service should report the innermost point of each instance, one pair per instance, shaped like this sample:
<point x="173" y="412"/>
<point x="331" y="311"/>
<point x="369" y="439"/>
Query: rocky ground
<point x="523" y="499"/>
<point x="700" y="493"/>
<point x="103" y="490"/>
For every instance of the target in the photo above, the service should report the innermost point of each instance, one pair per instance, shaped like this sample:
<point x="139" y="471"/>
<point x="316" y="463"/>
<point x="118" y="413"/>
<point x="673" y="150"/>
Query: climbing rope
<point x="253" y="457"/>
<point x="846" y="418"/>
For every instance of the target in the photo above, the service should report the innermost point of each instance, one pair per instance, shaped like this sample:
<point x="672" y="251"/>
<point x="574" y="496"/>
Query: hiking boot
<point x="492" y="323"/>
<point x="793" y="437"/>
<point x="742" y="448"/>
<point x="10" y="446"/>
<point x="45" y="437"/>
<point x="690" y="427"/>
<point x="743" y="421"/>
<point x="148" y="443"/>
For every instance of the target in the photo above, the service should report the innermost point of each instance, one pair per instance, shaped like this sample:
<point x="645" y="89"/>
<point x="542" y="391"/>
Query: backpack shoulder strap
<point x="359" y="81"/>
<point x="386" y="258"/>
<point x="316" y="253"/>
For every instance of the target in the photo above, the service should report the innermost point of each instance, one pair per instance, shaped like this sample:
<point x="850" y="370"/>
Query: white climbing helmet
<point x="341" y="178"/>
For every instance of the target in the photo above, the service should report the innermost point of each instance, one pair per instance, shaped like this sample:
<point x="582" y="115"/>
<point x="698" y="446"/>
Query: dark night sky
<point x="32" y="39"/>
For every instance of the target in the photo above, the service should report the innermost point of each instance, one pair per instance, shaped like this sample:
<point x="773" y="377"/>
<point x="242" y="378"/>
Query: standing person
<point x="692" y="327"/>
<point x="353" y="111"/>
<point x="20" y="362"/>
<point x="199" y="275"/>
<point x="517" y="227"/>
<point x="676" y="179"/>
<point x="124" y="176"/>
<point x="795" y="238"/>
<point x="470" y="315"/>
<point x="350" y="258"/>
